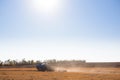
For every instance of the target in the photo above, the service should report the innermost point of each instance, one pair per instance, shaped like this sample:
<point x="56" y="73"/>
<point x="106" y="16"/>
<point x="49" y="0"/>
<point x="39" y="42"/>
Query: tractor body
<point x="43" y="67"/>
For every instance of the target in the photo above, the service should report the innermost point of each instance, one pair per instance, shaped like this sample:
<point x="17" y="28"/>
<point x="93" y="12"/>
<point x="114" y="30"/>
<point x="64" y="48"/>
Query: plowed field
<point x="73" y="74"/>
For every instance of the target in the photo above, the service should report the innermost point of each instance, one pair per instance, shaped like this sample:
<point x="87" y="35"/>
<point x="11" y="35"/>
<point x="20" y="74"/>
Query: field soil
<point x="60" y="74"/>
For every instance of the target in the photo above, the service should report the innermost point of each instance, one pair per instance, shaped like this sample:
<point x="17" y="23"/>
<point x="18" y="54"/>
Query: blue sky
<point x="71" y="29"/>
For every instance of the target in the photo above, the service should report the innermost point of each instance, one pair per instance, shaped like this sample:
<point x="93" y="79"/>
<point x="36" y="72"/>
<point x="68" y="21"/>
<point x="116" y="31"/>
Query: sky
<point x="60" y="29"/>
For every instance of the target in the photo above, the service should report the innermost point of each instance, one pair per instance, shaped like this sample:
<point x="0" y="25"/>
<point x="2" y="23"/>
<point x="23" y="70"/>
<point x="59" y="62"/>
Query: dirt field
<point x="72" y="74"/>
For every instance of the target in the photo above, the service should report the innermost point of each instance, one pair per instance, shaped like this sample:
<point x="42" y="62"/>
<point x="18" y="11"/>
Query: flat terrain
<point x="72" y="74"/>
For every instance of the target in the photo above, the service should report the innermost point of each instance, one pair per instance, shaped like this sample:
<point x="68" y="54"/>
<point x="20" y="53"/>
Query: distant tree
<point x="30" y="62"/>
<point x="1" y="63"/>
<point x="24" y="62"/>
<point x="37" y="62"/>
<point x="7" y="62"/>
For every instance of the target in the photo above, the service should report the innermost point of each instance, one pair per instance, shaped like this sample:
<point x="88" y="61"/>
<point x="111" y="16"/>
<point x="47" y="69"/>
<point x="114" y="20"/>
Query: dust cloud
<point x="62" y="69"/>
<point x="88" y="70"/>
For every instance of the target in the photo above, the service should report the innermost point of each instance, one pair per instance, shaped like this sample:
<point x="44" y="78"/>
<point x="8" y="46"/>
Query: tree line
<point x="52" y="62"/>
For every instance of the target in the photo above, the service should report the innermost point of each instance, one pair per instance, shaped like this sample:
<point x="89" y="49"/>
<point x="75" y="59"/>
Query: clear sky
<point x="60" y="29"/>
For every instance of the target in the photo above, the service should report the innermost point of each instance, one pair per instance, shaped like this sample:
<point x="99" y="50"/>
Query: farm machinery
<point x="44" y="67"/>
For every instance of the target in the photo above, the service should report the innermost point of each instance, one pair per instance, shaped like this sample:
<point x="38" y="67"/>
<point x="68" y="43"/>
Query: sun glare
<point x="45" y="6"/>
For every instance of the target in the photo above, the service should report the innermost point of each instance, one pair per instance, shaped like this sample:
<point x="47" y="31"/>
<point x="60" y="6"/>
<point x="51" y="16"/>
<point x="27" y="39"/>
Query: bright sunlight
<point x="46" y="6"/>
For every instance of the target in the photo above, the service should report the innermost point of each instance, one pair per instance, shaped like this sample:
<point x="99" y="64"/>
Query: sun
<point x="45" y="6"/>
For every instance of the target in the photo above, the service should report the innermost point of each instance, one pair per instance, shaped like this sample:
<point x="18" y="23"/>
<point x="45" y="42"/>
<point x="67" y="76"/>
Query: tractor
<point x="44" y="67"/>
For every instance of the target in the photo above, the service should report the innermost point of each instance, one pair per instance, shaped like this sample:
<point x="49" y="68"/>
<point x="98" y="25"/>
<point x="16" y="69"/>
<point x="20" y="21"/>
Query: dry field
<point x="72" y="74"/>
